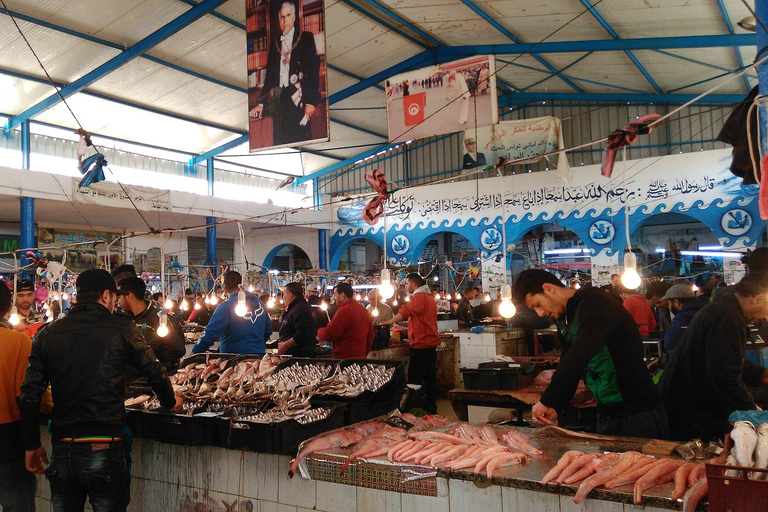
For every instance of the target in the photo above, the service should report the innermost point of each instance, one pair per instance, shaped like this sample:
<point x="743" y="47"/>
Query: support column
<point x="761" y="9"/>
<point x="323" y="249"/>
<point x="210" y="251"/>
<point x="209" y="168"/>
<point x="27" y="216"/>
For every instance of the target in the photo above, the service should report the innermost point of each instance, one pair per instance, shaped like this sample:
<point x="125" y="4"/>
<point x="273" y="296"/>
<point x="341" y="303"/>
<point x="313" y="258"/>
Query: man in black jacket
<point x="298" y="331"/>
<point x="600" y="341"/>
<point x="84" y="357"/>
<point x="168" y="349"/>
<point x="464" y="312"/>
<point x="704" y="381"/>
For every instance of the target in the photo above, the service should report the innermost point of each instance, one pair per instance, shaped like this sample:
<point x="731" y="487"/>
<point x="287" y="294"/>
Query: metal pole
<point x="761" y="9"/>
<point x="210" y="253"/>
<point x="323" y="249"/>
<point x="209" y="168"/>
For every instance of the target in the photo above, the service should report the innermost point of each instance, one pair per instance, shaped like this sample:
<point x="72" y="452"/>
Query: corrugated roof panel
<point x="65" y="57"/>
<point x="17" y="94"/>
<point x="672" y="73"/>
<point x="234" y="10"/>
<point x="614" y="68"/>
<point x="120" y="121"/>
<point x="663" y="18"/>
<point x="142" y="20"/>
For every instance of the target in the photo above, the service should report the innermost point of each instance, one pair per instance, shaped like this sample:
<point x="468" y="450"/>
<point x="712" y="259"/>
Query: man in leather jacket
<point x="168" y="349"/>
<point x="84" y="356"/>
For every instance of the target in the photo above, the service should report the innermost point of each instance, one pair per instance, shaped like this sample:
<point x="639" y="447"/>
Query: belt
<point x="90" y="439"/>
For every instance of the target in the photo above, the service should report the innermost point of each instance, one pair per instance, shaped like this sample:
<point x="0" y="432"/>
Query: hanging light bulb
<point x="487" y="297"/>
<point x="458" y="296"/>
<point x="271" y="302"/>
<point x="357" y="296"/>
<point x="576" y="285"/>
<point x="282" y="301"/>
<point x="695" y="288"/>
<point x="197" y="306"/>
<point x="65" y="296"/>
<point x="207" y="300"/>
<point x="14" y="318"/>
<point x="630" y="279"/>
<point x="386" y="290"/>
<point x="168" y="304"/>
<point x="506" y="308"/>
<point x="184" y="305"/>
<point x="407" y="299"/>
<point x="366" y="298"/>
<point x="214" y="299"/>
<point x="241" y="309"/>
<point x="55" y="296"/>
<point x="375" y="312"/>
<point x="324" y="306"/>
<point x="447" y="296"/>
<point x="162" y="329"/>
<point x="394" y="303"/>
<point x="49" y="313"/>
<point x="250" y="288"/>
<point x="45" y="305"/>
<point x="436" y="278"/>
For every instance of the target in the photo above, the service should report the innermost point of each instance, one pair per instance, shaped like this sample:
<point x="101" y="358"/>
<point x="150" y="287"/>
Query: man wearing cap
<point x="683" y="303"/>
<point x="83" y="356"/>
<point x="146" y="315"/>
<point x="472" y="158"/>
<point x="245" y="334"/>
<point x="25" y="302"/>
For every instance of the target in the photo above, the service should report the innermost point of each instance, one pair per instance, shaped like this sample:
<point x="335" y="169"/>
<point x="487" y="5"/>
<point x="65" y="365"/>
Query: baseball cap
<point x="312" y="287"/>
<point x="25" y="285"/>
<point x="97" y="280"/>
<point x="679" y="291"/>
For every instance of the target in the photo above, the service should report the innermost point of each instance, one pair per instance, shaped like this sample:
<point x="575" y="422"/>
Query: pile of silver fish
<point x="612" y="470"/>
<point x="277" y="415"/>
<point x="431" y="441"/>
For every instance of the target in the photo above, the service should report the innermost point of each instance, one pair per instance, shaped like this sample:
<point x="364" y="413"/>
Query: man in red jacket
<point x="351" y="329"/>
<point x="421" y="312"/>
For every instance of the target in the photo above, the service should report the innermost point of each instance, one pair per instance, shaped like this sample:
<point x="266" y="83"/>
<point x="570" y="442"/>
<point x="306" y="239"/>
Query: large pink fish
<point x="340" y="438"/>
<point x="659" y="475"/>
<point x="563" y="463"/>
<point x="606" y="472"/>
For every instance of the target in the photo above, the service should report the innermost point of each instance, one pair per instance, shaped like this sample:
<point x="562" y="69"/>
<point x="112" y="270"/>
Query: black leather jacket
<point x="84" y="356"/>
<point x="168" y="349"/>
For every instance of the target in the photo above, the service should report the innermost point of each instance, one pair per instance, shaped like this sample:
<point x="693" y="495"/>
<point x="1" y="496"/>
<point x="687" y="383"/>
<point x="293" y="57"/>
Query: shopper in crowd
<point x="655" y="293"/>
<point x="201" y="313"/>
<point x="464" y="311"/>
<point x="25" y="305"/>
<point x="316" y="301"/>
<point x="640" y="309"/>
<point x="84" y="356"/>
<point x="298" y="330"/>
<point x="17" y="485"/>
<point x="245" y="334"/>
<point x="351" y="329"/>
<point x="383" y="310"/>
<point x="684" y="304"/>
<point x="168" y="349"/>
<point x="614" y="288"/>
<point x="599" y="338"/>
<point x="423" y="338"/>
<point x="705" y="379"/>
<point x="443" y="305"/>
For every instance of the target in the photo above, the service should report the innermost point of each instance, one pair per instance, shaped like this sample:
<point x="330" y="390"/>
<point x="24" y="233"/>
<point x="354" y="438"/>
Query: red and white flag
<point x="413" y="108"/>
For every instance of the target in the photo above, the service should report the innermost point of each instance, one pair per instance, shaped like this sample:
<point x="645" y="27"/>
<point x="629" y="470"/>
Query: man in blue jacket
<point x="238" y="334"/>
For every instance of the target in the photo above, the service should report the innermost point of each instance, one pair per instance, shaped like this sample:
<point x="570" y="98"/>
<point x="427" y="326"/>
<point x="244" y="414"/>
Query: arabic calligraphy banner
<point x="526" y="140"/>
<point x="105" y="194"/>
<point x="442" y="99"/>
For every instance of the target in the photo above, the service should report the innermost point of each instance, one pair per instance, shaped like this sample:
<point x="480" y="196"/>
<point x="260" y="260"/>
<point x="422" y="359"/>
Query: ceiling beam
<point x="729" y="25"/>
<point x="495" y="24"/>
<point x="112" y="64"/>
<point x="517" y="98"/>
<point x="410" y="26"/>
<point x="609" y="29"/>
<point x="381" y="21"/>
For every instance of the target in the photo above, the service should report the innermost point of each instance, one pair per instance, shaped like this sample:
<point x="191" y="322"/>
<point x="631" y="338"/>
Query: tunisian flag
<point x="413" y="107"/>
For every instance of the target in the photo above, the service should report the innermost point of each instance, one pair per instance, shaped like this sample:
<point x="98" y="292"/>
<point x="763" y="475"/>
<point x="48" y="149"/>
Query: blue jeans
<point x="17" y="487"/>
<point x="95" y="470"/>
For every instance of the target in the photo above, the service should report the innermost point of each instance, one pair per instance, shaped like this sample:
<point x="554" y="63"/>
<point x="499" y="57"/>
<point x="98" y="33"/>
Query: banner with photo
<point x="526" y="139"/>
<point x="440" y="99"/>
<point x="287" y="73"/>
<point x="82" y="249"/>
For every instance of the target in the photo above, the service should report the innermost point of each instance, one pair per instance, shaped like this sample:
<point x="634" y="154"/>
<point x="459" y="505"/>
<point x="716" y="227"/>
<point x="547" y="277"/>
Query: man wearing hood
<point x="423" y="339"/>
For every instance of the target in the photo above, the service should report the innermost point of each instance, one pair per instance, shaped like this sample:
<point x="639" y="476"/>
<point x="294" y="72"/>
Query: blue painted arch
<point x="339" y="246"/>
<point x="270" y="257"/>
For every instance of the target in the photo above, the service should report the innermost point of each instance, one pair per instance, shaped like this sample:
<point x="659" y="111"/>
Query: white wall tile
<point x="567" y="505"/>
<point x="296" y="491"/>
<point x="466" y="496"/>
<point x="259" y="478"/>
<point x="226" y="470"/>
<point x="374" y="500"/>
<point x="333" y="497"/>
<point x="521" y="500"/>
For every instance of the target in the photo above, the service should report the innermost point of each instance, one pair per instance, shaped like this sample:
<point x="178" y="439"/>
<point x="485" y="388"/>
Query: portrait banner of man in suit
<point x="287" y="77"/>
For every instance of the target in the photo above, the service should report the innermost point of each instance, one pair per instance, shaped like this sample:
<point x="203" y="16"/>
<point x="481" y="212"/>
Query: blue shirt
<point x="238" y="335"/>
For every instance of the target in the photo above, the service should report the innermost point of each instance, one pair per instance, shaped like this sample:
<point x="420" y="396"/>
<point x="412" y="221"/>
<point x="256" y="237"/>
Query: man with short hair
<point x="245" y="334"/>
<point x="350" y="331"/>
<point x="614" y="288"/>
<point x="84" y="356"/>
<point x="298" y="330"/>
<point x="684" y="304"/>
<point x="599" y="338"/>
<point x="472" y="158"/>
<point x="423" y="338"/>
<point x="705" y="379"/>
<point x="25" y="305"/>
<point x="464" y="312"/>
<point x="168" y="349"/>
<point x="17" y="485"/>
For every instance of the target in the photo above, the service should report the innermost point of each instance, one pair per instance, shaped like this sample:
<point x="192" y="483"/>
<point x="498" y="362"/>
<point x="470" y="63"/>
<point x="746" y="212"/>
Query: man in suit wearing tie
<point x="293" y="78"/>
<point x="472" y="158"/>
